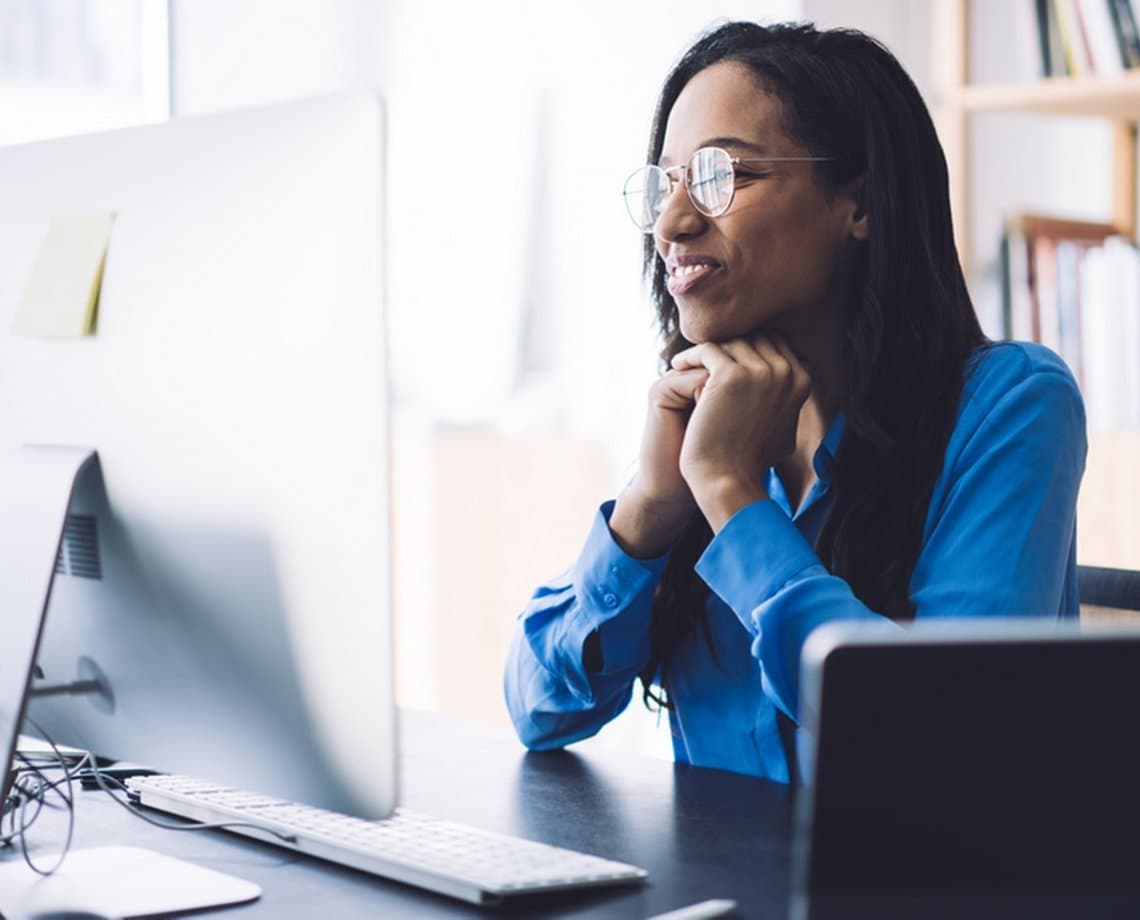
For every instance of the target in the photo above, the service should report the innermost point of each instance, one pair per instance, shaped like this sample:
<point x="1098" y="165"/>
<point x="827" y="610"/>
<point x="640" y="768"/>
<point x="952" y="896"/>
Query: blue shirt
<point x="999" y="540"/>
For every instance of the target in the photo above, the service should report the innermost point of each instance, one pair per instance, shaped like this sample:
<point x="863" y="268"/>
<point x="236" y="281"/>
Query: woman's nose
<point x="679" y="218"/>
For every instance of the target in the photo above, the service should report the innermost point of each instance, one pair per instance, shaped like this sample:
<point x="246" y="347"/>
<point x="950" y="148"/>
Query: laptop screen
<point x="975" y="765"/>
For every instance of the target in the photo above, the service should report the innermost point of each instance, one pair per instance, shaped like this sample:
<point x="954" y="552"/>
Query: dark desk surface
<point x="700" y="833"/>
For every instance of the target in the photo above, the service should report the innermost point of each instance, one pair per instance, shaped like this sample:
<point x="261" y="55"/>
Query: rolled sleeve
<point x="615" y="597"/>
<point x="552" y="698"/>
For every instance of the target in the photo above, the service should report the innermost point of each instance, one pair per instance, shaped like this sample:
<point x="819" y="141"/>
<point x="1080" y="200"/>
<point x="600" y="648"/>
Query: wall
<point x="522" y="341"/>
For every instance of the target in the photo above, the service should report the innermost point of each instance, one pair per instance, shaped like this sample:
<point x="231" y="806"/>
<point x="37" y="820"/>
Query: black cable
<point x="88" y="765"/>
<point x="136" y="809"/>
<point x="62" y="789"/>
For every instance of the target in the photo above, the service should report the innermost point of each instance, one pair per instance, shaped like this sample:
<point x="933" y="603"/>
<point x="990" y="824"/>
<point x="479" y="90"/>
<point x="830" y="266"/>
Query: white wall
<point x="512" y="127"/>
<point x="902" y="25"/>
<point x="227" y="55"/>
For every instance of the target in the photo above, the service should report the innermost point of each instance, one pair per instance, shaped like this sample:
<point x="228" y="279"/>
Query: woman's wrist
<point x="720" y="499"/>
<point x="646" y="528"/>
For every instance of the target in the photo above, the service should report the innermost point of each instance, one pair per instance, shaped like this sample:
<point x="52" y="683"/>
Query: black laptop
<point x="969" y="769"/>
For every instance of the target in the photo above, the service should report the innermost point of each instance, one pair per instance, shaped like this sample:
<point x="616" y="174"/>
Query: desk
<point x="700" y="833"/>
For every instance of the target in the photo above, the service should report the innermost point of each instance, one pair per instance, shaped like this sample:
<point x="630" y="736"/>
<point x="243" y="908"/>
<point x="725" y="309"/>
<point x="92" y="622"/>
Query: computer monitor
<point x="224" y="581"/>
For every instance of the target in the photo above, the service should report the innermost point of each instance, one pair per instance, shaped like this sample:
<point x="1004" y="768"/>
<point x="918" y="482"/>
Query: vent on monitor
<point x="79" y="551"/>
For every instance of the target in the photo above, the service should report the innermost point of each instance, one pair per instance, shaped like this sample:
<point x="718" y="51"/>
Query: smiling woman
<point x="831" y="437"/>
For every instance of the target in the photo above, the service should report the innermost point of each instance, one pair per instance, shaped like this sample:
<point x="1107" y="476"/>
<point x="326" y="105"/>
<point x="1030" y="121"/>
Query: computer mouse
<point x="67" y="915"/>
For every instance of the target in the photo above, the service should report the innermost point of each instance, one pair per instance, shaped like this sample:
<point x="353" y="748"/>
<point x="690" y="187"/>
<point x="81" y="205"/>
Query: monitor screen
<point x="224" y="576"/>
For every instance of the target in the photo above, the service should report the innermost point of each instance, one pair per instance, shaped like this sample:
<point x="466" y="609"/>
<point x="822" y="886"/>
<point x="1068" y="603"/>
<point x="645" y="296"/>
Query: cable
<point x="32" y="787"/>
<point x="37" y="795"/>
<point x="135" y="809"/>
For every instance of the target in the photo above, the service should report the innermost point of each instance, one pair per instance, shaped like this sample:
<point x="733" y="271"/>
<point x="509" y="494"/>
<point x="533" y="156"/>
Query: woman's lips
<point x="684" y="278"/>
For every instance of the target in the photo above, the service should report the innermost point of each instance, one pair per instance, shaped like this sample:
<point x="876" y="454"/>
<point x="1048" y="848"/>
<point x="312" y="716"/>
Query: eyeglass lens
<point x="708" y="179"/>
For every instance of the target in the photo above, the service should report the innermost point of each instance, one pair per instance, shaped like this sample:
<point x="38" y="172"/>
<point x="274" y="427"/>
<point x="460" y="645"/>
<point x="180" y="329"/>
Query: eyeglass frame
<point x="733" y="162"/>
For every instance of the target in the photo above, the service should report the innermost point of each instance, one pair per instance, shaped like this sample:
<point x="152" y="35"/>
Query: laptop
<point x="969" y="768"/>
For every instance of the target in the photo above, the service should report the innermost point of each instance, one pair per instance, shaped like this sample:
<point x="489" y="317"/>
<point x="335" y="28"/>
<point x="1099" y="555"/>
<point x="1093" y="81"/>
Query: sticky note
<point x="63" y="290"/>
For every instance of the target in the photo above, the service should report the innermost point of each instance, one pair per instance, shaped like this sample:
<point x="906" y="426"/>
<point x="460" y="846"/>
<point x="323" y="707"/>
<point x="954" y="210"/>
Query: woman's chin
<point x="701" y="333"/>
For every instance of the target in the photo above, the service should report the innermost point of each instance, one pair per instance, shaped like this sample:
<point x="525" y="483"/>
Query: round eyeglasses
<point x="710" y="180"/>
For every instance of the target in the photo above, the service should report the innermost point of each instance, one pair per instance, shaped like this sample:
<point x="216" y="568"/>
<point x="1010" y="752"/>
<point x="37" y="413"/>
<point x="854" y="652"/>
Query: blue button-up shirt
<point x="999" y="540"/>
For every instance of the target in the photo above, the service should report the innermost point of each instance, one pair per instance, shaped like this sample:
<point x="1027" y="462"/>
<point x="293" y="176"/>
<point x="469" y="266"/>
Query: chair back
<point x="1108" y="594"/>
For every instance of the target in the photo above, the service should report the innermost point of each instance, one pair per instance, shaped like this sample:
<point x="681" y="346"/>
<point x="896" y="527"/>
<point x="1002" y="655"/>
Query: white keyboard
<point x="452" y="859"/>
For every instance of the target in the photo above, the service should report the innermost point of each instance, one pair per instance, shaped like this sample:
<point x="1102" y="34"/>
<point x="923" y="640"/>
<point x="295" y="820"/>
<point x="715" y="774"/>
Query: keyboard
<point x="452" y="859"/>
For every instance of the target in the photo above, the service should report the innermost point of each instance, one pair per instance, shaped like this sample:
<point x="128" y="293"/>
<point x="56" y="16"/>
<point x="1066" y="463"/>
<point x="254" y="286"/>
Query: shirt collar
<point x="824" y="457"/>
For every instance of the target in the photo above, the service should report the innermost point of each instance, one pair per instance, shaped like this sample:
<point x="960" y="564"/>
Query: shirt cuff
<point x="757" y="552"/>
<point x="608" y="581"/>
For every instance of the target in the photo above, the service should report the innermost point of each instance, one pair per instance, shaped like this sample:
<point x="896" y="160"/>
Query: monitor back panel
<point x="236" y="392"/>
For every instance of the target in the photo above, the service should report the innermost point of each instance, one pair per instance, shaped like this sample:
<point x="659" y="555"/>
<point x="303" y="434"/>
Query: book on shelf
<point x="1099" y="32"/>
<point x="1127" y="32"/>
<point x="1084" y="37"/>
<point x="1074" y="286"/>
<point x="1078" y="61"/>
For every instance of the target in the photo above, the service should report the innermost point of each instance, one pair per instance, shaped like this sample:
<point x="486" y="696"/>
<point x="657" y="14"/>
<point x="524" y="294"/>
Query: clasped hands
<point x="717" y="420"/>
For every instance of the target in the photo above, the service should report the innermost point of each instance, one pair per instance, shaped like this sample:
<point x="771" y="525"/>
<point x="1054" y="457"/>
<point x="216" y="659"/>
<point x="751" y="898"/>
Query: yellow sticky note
<point x="63" y="291"/>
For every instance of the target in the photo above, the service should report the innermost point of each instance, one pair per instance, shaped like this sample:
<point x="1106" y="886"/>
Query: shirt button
<point x="610" y="599"/>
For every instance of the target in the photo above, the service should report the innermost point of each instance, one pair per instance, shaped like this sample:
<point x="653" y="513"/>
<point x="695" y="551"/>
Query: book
<point x="1109" y="284"/>
<point x="1074" y="286"/>
<point x="1097" y="343"/>
<point x="1027" y="46"/>
<point x="1095" y="19"/>
<point x="1068" y="256"/>
<point x="1077" y="62"/>
<point x="1042" y="9"/>
<point x="1127" y="336"/>
<point x="1017" y="299"/>
<point x="1058" y="62"/>
<point x="1127" y="32"/>
<point x="1048" y="328"/>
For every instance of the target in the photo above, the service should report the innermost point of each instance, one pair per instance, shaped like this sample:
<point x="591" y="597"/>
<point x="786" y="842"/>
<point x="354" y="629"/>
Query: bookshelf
<point x="1108" y="522"/>
<point x="1104" y="97"/>
<point x="1115" y="98"/>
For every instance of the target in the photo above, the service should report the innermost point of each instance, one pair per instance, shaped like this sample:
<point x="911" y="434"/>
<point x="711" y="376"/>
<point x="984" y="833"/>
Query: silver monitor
<point x="223" y="583"/>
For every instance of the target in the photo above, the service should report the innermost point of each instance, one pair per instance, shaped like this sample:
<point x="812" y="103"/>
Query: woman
<point x="832" y="437"/>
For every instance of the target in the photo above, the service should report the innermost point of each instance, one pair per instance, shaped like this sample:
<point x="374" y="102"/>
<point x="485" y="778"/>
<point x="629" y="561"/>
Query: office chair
<point x="1111" y="589"/>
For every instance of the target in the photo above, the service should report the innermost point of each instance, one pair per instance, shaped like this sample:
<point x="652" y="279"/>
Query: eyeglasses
<point x="710" y="180"/>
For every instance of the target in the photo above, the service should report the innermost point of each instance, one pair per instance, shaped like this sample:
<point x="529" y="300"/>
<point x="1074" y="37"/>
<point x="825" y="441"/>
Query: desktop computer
<point x="197" y="493"/>
<point x="223" y="579"/>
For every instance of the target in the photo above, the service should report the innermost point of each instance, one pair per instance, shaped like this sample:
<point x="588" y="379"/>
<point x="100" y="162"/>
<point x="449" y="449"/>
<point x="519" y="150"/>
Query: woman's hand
<point x="653" y="509"/>
<point x="744" y="421"/>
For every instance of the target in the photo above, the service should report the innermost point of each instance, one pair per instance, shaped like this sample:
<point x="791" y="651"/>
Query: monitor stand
<point x="37" y="486"/>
